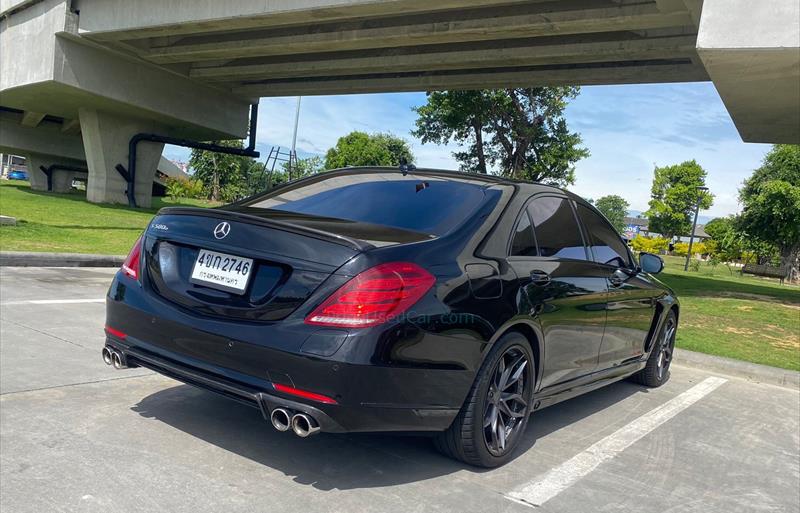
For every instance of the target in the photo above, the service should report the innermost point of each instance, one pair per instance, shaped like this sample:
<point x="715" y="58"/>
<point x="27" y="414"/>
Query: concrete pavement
<point x="76" y="435"/>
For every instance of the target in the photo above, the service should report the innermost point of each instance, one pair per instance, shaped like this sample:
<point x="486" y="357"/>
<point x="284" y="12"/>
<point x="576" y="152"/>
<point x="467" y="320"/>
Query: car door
<point x="565" y="290"/>
<point x="631" y="297"/>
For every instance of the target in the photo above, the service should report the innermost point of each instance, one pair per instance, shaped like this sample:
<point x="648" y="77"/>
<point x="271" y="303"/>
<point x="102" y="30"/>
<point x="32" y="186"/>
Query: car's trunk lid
<point x="289" y="261"/>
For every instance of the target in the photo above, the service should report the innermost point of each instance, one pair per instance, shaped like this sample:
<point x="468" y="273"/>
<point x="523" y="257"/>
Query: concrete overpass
<point x="114" y="68"/>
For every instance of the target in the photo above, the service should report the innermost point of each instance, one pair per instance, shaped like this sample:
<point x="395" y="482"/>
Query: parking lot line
<point x="558" y="479"/>
<point x="54" y="301"/>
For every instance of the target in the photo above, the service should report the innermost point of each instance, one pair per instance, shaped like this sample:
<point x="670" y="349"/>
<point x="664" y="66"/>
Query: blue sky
<point x="628" y="130"/>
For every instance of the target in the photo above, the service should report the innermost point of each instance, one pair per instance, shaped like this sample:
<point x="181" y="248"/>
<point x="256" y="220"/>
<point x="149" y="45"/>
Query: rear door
<point x="631" y="299"/>
<point x="565" y="289"/>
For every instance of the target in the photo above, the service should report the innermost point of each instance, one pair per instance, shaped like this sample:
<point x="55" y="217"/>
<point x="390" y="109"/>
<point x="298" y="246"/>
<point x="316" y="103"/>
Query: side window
<point x="523" y="243"/>
<point x="556" y="228"/>
<point x="607" y="246"/>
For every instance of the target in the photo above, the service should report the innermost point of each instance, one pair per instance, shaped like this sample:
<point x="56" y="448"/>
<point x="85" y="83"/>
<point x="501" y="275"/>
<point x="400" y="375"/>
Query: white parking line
<point x="558" y="479"/>
<point x="53" y="301"/>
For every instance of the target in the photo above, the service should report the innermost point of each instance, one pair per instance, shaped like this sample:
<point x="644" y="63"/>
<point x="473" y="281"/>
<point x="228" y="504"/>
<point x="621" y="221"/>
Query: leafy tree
<point x="731" y="243"/>
<point x="304" y="167"/>
<point x="727" y="241"/>
<point x="615" y="208"/>
<point x="520" y="131"/>
<point x="771" y="203"/>
<point x="362" y="149"/>
<point x="674" y="195"/>
<point x="220" y="170"/>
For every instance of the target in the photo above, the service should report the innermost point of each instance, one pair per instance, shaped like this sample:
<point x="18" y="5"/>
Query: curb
<point x="738" y="368"/>
<point x="28" y="259"/>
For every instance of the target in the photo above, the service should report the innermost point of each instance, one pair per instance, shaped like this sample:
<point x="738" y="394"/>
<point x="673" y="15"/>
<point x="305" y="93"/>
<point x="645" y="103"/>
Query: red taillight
<point x="372" y="297"/>
<point x="116" y="333"/>
<point x="131" y="264"/>
<point x="286" y="389"/>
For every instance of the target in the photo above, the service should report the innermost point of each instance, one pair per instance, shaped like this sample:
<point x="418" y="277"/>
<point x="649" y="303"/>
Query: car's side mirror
<point x="651" y="263"/>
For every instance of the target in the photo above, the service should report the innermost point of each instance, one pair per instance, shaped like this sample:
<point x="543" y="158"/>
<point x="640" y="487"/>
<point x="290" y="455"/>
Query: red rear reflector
<point x="116" y="333"/>
<point x="286" y="389"/>
<point x="130" y="266"/>
<point x="374" y="296"/>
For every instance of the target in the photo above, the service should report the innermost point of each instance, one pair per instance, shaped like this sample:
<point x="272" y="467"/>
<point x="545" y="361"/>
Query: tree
<point x="521" y="131"/>
<point x="306" y="167"/>
<point x="728" y="243"/>
<point x="362" y="149"/>
<point x="771" y="203"/>
<point x="674" y="195"/>
<point x="615" y="208"/>
<point x="220" y="170"/>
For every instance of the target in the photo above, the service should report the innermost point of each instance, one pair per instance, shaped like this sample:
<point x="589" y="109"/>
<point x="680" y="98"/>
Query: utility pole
<point x="700" y="191"/>
<point x="296" y="120"/>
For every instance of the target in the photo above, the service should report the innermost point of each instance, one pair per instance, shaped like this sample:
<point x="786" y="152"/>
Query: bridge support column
<point x="35" y="174"/>
<point x="105" y="139"/>
<point x="61" y="180"/>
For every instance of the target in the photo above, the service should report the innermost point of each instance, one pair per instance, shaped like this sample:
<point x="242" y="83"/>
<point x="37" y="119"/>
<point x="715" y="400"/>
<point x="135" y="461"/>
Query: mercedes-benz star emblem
<point x="222" y="230"/>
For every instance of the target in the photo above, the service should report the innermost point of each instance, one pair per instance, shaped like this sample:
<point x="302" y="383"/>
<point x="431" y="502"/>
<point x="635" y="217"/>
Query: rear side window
<point x="523" y="243"/>
<point x="606" y="245"/>
<point x="556" y="228"/>
<point x="422" y="204"/>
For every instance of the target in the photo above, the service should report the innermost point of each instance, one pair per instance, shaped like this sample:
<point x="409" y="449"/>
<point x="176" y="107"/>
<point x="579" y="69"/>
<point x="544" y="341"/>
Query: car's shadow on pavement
<point x="333" y="461"/>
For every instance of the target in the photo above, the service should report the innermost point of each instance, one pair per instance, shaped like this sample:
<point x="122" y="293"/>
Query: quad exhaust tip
<point x="304" y="426"/>
<point x="114" y="358"/>
<point x="281" y="419"/>
<point x="107" y="357"/>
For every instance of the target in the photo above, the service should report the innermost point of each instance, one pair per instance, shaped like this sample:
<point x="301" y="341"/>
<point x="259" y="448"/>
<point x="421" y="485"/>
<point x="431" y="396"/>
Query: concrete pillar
<point x="105" y="139"/>
<point x="62" y="179"/>
<point x="35" y="174"/>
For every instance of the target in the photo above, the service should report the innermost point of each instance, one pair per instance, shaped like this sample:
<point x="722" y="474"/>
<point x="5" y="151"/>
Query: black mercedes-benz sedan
<point x="375" y="299"/>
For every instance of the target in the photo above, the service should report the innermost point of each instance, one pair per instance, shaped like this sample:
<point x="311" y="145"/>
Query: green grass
<point x="67" y="223"/>
<point x="741" y="317"/>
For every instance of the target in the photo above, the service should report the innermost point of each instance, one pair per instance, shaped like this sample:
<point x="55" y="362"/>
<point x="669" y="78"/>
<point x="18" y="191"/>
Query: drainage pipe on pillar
<point x="130" y="174"/>
<point x="63" y="167"/>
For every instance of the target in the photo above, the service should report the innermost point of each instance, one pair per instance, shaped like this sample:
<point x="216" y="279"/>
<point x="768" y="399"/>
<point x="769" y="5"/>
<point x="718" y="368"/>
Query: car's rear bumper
<point x="244" y="366"/>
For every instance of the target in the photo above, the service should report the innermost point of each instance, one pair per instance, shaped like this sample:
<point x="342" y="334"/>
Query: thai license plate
<point x="222" y="271"/>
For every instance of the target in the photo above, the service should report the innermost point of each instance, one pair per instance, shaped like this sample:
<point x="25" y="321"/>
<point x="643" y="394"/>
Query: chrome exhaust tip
<point x="107" y="357"/>
<point x="303" y="425"/>
<point x="281" y="419"/>
<point x="117" y="360"/>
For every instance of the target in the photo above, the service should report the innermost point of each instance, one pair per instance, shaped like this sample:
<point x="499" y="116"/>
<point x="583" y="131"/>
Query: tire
<point x="468" y="439"/>
<point x="656" y="372"/>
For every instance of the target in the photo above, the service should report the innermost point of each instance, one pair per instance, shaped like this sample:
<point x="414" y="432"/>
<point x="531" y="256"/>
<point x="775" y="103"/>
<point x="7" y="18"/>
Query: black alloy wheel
<point x="494" y="416"/>
<point x="505" y="403"/>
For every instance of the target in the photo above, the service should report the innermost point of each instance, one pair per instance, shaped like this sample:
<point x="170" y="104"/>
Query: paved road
<point x="79" y="436"/>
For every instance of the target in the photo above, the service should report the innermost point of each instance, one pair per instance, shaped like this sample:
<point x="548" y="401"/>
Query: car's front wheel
<point x="492" y="420"/>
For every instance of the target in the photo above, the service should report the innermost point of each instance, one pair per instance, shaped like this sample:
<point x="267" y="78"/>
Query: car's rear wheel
<point x="492" y="421"/>
<point x="656" y="372"/>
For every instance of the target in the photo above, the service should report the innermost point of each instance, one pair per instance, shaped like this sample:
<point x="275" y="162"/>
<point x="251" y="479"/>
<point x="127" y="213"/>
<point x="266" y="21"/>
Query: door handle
<point x="540" y="277"/>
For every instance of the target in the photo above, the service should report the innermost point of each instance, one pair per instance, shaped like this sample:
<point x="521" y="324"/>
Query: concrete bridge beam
<point x="106" y="137"/>
<point x="752" y="53"/>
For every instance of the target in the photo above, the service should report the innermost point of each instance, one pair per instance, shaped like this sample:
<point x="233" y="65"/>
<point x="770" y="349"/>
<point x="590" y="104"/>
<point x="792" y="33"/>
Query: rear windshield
<point x="426" y="204"/>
